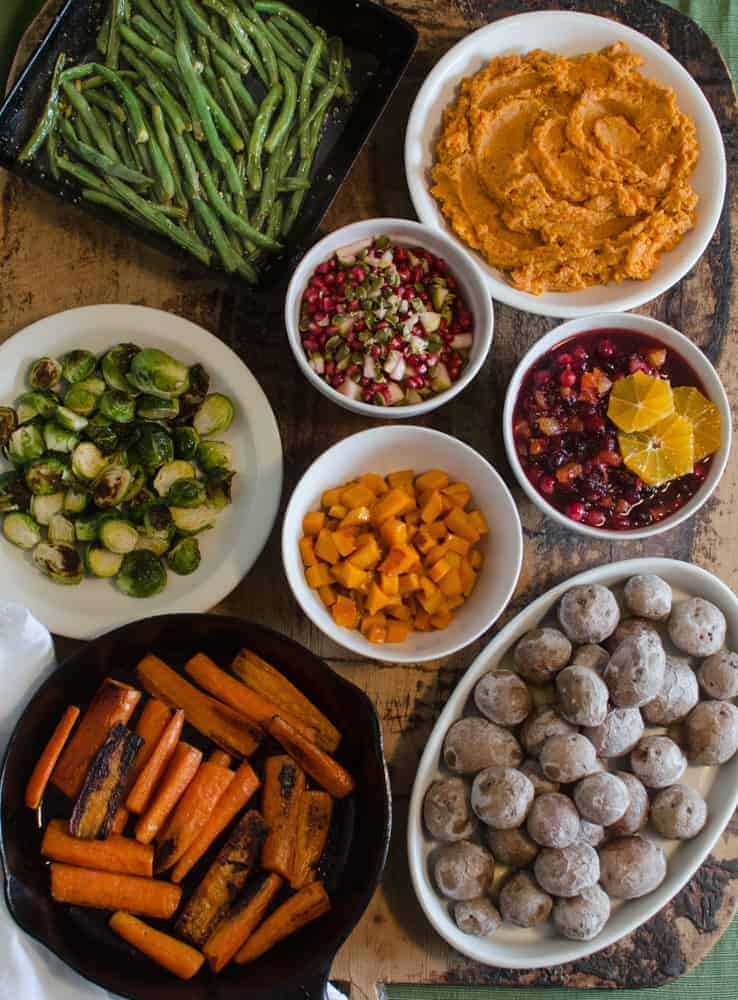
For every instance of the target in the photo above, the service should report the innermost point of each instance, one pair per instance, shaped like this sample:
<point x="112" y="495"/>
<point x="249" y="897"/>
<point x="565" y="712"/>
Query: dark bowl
<point x="354" y="858"/>
<point x="379" y="43"/>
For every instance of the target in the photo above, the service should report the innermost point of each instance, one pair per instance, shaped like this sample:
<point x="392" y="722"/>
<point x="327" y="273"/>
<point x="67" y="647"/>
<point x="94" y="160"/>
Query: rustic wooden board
<point x="53" y="258"/>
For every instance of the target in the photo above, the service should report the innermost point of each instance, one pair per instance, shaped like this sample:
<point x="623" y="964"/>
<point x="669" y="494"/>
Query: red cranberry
<point x="547" y="485"/>
<point x="621" y="523"/>
<point x="596" y="518"/>
<point x="580" y="353"/>
<point x="575" y="510"/>
<point x="567" y="378"/>
<point x="605" y="348"/>
<point x="564" y="359"/>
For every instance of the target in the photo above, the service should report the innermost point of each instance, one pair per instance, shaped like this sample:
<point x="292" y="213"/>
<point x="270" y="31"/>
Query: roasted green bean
<point x="48" y="118"/>
<point x="99" y="160"/>
<point x="133" y="106"/>
<point x="119" y="14"/>
<point x="287" y="112"/>
<point x="258" y="136"/>
<point x="81" y="106"/>
<point x="176" y="114"/>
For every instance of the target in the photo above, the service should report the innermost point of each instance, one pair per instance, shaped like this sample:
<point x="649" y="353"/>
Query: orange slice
<point x="705" y="418"/>
<point x="639" y="401"/>
<point x="662" y="453"/>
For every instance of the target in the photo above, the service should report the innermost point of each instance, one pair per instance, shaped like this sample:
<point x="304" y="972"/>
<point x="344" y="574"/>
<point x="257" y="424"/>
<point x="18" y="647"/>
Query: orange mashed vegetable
<point x="565" y="173"/>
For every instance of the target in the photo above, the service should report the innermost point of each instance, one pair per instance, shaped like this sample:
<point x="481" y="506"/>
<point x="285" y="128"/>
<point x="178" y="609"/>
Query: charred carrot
<point x="113" y="702"/>
<point x="317" y="763"/>
<point x="267" y="681"/>
<point x="47" y="761"/>
<point x="302" y="908"/>
<point x="115" y="854"/>
<point x="191" y="813"/>
<point x="224" y="879"/>
<point x="109" y="891"/>
<point x="243" y="918"/>
<point x="234" y="798"/>
<point x="144" y="785"/>
<point x="180" y="772"/>
<point x="173" y="955"/>
<point x="284" y="785"/>
<point x="99" y="798"/>
<point x="220" y="758"/>
<point x="152" y="722"/>
<point x="313" y="824"/>
<point x="120" y="820"/>
<point x="227" y="728"/>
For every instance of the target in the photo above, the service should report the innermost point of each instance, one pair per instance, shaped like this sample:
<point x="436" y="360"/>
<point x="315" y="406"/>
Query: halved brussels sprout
<point x="14" y="493"/>
<point x="156" y="408"/>
<point x="186" y="441"/>
<point x="118" y="535"/>
<point x="58" y="438"/>
<point x="157" y="521"/>
<point x="101" y="432"/>
<point x="44" y="476"/>
<point x="61" y="529"/>
<point x="170" y="473"/>
<point x="70" y="420"/>
<point x="21" y="530"/>
<point x="142" y="574"/>
<point x="138" y="481"/>
<point x="8" y="423"/>
<point x="118" y="406"/>
<point x="157" y="373"/>
<point x="219" y="485"/>
<point x="214" y="455"/>
<point x="111" y="486"/>
<point x="159" y="546"/>
<point x="86" y="527"/>
<point x="78" y="365"/>
<point x="26" y="443"/>
<point x="62" y="563"/>
<point x="35" y="404"/>
<point x="93" y="384"/>
<point x="80" y="400"/>
<point x="115" y="365"/>
<point x="154" y="447"/>
<point x="141" y="503"/>
<point x="44" y="373"/>
<point x="187" y="493"/>
<point x="102" y="562"/>
<point x="192" y="520"/>
<point x="198" y="390"/>
<point x="87" y="461"/>
<point x="215" y="414"/>
<point x="75" y="499"/>
<point x="44" y="508"/>
<point x="185" y="557"/>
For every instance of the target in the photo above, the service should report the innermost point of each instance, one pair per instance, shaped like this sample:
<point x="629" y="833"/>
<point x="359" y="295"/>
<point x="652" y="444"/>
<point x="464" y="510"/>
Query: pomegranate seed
<point x="567" y="378"/>
<point x="330" y="279"/>
<point x="328" y="303"/>
<point x="621" y="523"/>
<point x="564" y="360"/>
<point x="605" y="348"/>
<point x="575" y="510"/>
<point x="340" y="278"/>
<point x="596" y="518"/>
<point x="547" y="485"/>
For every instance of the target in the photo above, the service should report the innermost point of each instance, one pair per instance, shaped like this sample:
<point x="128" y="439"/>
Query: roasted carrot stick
<point x="220" y="758"/>
<point x="120" y="820"/>
<point x="302" y="908"/>
<point x="319" y="765"/>
<point x="243" y="918"/>
<point x="191" y="813"/>
<point x="180" y="772"/>
<point x="113" y="702"/>
<point x="234" y="798"/>
<point x="244" y="699"/>
<point x="99" y="798"/>
<point x="115" y="854"/>
<point x="175" y="956"/>
<point x="314" y="822"/>
<point x="144" y="785"/>
<point x="108" y="891"/>
<point x="267" y="681"/>
<point x="284" y="785"/>
<point x="226" y="728"/>
<point x="152" y="722"/>
<point x="47" y="761"/>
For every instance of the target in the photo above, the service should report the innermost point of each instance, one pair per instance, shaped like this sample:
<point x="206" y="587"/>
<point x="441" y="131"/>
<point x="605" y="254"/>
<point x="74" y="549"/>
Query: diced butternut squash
<point x="397" y="632"/>
<point x="390" y="584"/>
<point x="431" y="510"/>
<point x="468" y="577"/>
<point x="441" y="619"/>
<point x="400" y="559"/>
<point x="434" y="479"/>
<point x="356" y="516"/>
<point x="327" y="595"/>
<point x="377" y="484"/>
<point x="479" y="521"/>
<point x="345" y="541"/>
<point x="458" y="494"/>
<point x="349" y="575"/>
<point x="438" y="551"/>
<point x="393" y="532"/>
<point x="399" y="611"/>
<point x="422" y="622"/>
<point x="318" y="576"/>
<point x="403" y="480"/>
<point x="325" y="547"/>
<point x="377" y="599"/>
<point x="307" y="552"/>
<point x="476" y="559"/>
<point x="331" y="497"/>
<point x="345" y="612"/>
<point x="393" y="503"/>
<point x="377" y="633"/>
<point x="423" y="540"/>
<point x="451" y="583"/>
<point x="370" y="621"/>
<point x="357" y="495"/>
<point x="337" y="511"/>
<point x="367" y="556"/>
<point x="458" y="544"/>
<point x="439" y="569"/>
<point x="408" y="582"/>
<point x="412" y="517"/>
<point x="458" y="523"/>
<point x="437" y="530"/>
<point x="430" y="597"/>
<point x="454" y="602"/>
<point x="313" y="522"/>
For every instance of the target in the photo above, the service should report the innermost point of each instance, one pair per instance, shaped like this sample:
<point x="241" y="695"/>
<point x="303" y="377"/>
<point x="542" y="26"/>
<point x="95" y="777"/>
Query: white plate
<point x="569" y="34"/>
<point x="541" y="947"/>
<point x="230" y="549"/>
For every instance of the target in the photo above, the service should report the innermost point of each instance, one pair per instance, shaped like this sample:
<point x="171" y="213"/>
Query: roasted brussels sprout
<point x="44" y="508"/>
<point x="26" y="444"/>
<point x="101" y="432"/>
<point x="168" y="474"/>
<point x="138" y="481"/>
<point x="214" y="455"/>
<point x="61" y="529"/>
<point x="187" y="493"/>
<point x="215" y="414"/>
<point x="185" y="557"/>
<point x="117" y="534"/>
<point x="86" y="527"/>
<point x="44" y="373"/>
<point x="102" y="562"/>
<point x="35" y="404"/>
<point x="159" y="546"/>
<point x="80" y="400"/>
<point x="219" y="485"/>
<point x="142" y="574"/>
<point x="193" y="520"/>
<point x="21" y="530"/>
<point x="186" y="442"/>
<point x="45" y="476"/>
<point x="118" y="406"/>
<point x="156" y="408"/>
<point x="111" y="486"/>
<point x="158" y="374"/>
<point x="140" y="504"/>
<point x="87" y="461"/>
<point x="115" y="365"/>
<point x="8" y="423"/>
<point x="93" y="384"/>
<point x="158" y="523"/>
<point x="70" y="420"/>
<point x="76" y="499"/>
<point x="154" y="447"/>
<point x="61" y="563"/>
<point x="14" y="494"/>
<point x="58" y="438"/>
<point x="198" y="390"/>
<point x="78" y="365"/>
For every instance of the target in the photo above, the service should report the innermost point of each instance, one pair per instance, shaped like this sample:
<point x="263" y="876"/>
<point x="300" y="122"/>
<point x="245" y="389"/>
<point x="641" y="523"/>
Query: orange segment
<point x="662" y="453"/>
<point x="704" y="416"/>
<point x="639" y="401"/>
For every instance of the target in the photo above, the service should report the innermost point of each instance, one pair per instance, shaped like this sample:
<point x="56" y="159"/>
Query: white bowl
<point x="385" y="450"/>
<point x="230" y="549"/>
<point x="460" y="266"/>
<point x="541" y="947"/>
<point x="569" y="34"/>
<point x="668" y="336"/>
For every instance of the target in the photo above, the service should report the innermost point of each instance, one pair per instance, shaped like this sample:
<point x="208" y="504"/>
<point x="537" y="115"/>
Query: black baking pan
<point x="378" y="42"/>
<point x="298" y="968"/>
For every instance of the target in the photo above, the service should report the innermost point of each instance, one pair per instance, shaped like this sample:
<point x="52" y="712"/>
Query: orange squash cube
<point x="453" y="559"/>
<point x="377" y="633"/>
<point x="318" y="576"/>
<point x="476" y="559"/>
<point x="451" y="583"/>
<point x="422" y="621"/>
<point x="331" y="497"/>
<point x="307" y="551"/>
<point x="468" y="577"/>
<point x="345" y="541"/>
<point x="412" y="517"/>
<point x="325" y="547"/>
<point x="345" y="613"/>
<point x="363" y="537"/>
<point x="437" y="530"/>
<point x="430" y="598"/>
<point x="327" y="595"/>
<point x="393" y="531"/>
<point x="439" y="569"/>
<point x="337" y="511"/>
<point x="458" y="523"/>
<point x="377" y="599"/>
<point x="434" y="479"/>
<point x="454" y="602"/>
<point x="437" y="552"/>
<point x="400" y="559"/>
<point x="393" y="503"/>
<point x="370" y="621"/>
<point x="367" y="555"/>
<point x="432" y="509"/>
<point x="349" y="575"/>
<point x="408" y="582"/>
<point x="458" y="544"/>
<point x="357" y="495"/>
<point x="313" y="522"/>
<point x="442" y="619"/>
<point x="397" y="632"/>
<point x="423" y="540"/>
<point x="390" y="584"/>
<point x="399" y="611"/>
<point x="457" y="494"/>
<point x="403" y="480"/>
<point x="356" y="517"/>
<point x="479" y="521"/>
<point x="377" y="484"/>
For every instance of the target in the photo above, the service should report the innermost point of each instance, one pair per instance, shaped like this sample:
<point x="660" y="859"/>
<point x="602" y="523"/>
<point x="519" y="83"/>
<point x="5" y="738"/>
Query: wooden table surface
<point x="54" y="258"/>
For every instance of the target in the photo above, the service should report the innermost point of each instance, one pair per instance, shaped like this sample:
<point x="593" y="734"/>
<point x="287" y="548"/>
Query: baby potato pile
<point x="571" y="756"/>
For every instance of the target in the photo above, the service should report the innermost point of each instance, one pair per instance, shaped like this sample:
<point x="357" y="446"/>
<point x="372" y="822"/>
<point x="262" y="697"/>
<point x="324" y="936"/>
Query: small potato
<point x="631" y="867"/>
<point x="588" y="613"/>
<point x="503" y="698"/>
<point x="479" y="917"/>
<point x="602" y="798"/>
<point x="590" y="833"/>
<point x="592" y="656"/>
<point x="618" y="734"/>
<point x="582" y="696"/>
<point x="501" y="797"/>
<point x="447" y="810"/>
<point x="582" y="917"/>
<point x="636" y="815"/>
<point x="541" y="784"/>
<point x="711" y="732"/>
<point x="540" y="654"/>
<point x="463" y="870"/>
<point x="678" y="812"/>
<point x="474" y="743"/>
<point x="567" y="871"/>
<point x="697" y="627"/>
<point x="541" y="725"/>
<point x="568" y="758"/>
<point x="630" y="628"/>
<point x="553" y="820"/>
<point x="523" y="902"/>
<point x="635" y="672"/>
<point x="678" y="695"/>
<point x="658" y="761"/>
<point x="512" y="847"/>
<point x="648" y="596"/>
<point x="718" y="675"/>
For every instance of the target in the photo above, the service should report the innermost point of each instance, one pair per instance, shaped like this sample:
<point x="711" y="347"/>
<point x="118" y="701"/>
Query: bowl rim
<point x="692" y="354"/>
<point x="361" y="229"/>
<point x="350" y="638"/>
<point x="502" y="291"/>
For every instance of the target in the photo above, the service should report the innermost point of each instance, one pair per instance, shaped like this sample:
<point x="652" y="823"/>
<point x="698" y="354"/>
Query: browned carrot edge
<point x="175" y="956"/>
<point x="180" y="772"/>
<point x="110" y="891"/>
<point x="97" y="803"/>
<point x="120" y="820"/>
<point x="317" y="763"/>
<point x="114" y="854"/>
<point x="313" y="825"/>
<point x="191" y="813"/>
<point x="284" y="786"/>
<point x="305" y="906"/>
<point x="242" y="920"/>
<point x="145" y="783"/>
<point x="47" y="761"/>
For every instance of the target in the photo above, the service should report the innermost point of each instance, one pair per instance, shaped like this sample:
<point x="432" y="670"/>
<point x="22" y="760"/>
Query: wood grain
<point x="53" y="258"/>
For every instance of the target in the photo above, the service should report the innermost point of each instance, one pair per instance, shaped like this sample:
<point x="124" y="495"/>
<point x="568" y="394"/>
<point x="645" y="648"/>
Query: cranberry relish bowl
<point x="617" y="426"/>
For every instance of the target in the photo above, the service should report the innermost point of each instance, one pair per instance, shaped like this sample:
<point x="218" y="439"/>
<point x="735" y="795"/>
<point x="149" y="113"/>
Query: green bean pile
<point x="200" y="121"/>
